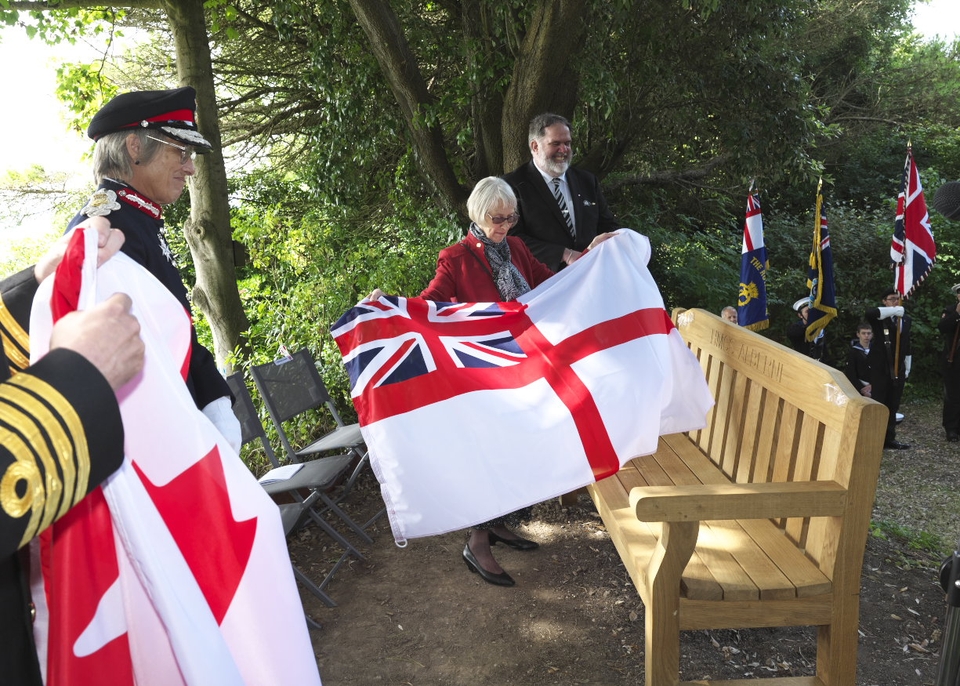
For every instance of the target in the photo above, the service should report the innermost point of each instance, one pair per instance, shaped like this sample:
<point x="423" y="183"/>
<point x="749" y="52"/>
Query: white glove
<point x="891" y="311"/>
<point x="220" y="413"/>
<point x="907" y="363"/>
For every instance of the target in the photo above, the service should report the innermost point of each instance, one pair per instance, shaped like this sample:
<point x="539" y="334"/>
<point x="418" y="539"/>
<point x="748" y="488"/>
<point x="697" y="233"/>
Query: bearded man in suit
<point x="561" y="208"/>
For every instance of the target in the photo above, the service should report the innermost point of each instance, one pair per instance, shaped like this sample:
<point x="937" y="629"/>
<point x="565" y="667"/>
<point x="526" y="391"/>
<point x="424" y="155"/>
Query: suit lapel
<point x="575" y="196"/>
<point x="545" y="193"/>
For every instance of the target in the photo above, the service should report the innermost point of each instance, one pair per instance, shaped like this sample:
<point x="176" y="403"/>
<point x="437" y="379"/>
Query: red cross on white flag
<point x="472" y="411"/>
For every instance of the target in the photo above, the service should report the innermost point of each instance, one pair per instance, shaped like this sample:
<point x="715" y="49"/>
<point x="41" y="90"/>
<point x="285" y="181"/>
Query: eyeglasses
<point x="510" y="218"/>
<point x="186" y="153"/>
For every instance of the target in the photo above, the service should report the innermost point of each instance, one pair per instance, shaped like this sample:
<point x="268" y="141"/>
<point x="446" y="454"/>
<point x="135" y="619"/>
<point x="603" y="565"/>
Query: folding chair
<point x="316" y="476"/>
<point x="291" y="386"/>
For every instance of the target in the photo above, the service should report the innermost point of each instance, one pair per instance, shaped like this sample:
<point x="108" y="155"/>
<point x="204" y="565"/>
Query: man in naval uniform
<point x="146" y="142"/>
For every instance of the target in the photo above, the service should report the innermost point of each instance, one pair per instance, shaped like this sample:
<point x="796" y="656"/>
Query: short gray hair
<point x="539" y="124"/>
<point x="487" y="193"/>
<point x="111" y="159"/>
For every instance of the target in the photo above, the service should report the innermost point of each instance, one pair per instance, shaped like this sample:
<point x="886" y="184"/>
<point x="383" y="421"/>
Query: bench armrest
<point x="702" y="502"/>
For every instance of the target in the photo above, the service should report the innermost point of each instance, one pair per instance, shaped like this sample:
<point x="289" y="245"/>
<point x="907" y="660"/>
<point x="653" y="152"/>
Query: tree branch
<point x="400" y="67"/>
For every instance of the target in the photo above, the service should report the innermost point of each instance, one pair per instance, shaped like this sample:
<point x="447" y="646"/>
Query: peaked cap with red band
<point x="171" y="112"/>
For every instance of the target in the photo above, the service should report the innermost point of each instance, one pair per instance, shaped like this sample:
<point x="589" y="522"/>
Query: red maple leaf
<point x="195" y="506"/>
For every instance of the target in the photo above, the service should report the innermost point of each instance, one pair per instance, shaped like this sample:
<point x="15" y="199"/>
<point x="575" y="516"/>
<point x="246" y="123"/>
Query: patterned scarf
<point x="507" y="278"/>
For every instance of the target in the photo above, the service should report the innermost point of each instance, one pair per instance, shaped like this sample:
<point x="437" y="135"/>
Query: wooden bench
<point x="760" y="519"/>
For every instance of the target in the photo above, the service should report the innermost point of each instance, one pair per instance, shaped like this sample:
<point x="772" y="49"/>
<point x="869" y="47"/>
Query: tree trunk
<point x="208" y="231"/>
<point x="486" y="108"/>
<point x="399" y="66"/>
<point x="543" y="79"/>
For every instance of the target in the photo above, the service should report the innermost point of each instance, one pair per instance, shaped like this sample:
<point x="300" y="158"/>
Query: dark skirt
<point x="512" y="519"/>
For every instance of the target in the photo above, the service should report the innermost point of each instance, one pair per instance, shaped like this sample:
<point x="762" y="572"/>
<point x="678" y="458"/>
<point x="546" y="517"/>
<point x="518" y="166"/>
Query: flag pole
<point x="896" y="320"/>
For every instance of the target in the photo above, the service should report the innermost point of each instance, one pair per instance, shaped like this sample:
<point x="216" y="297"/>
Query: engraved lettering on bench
<point x="768" y="366"/>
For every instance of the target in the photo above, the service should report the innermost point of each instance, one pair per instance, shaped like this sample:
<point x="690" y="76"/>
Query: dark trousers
<point x="951" y="396"/>
<point x="890" y="396"/>
<point x="18" y="654"/>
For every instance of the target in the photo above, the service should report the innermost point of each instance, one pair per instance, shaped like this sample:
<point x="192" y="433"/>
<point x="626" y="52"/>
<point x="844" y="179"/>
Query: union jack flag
<point x="473" y="410"/>
<point x="912" y="250"/>
<point x="408" y="354"/>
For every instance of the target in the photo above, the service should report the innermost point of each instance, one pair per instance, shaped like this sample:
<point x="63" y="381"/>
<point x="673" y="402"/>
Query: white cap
<point x="801" y="303"/>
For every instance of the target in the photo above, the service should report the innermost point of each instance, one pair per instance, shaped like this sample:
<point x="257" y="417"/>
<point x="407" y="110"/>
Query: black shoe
<point x="515" y="543"/>
<point x="895" y="445"/>
<point x="953" y="437"/>
<point x="501" y="579"/>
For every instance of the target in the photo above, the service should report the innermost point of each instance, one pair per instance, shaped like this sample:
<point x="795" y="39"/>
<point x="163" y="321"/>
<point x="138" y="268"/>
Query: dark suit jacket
<point x="858" y="365"/>
<point x="883" y="351"/>
<point x="542" y="226"/>
<point x="463" y="273"/>
<point x="145" y="243"/>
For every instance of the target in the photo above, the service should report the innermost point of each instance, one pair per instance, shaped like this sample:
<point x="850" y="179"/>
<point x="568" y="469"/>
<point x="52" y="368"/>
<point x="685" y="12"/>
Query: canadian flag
<point x="176" y="570"/>
<point x="474" y="410"/>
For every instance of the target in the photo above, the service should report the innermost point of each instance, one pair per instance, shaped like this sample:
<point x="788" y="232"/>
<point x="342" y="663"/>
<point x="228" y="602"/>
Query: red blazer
<point x="464" y="275"/>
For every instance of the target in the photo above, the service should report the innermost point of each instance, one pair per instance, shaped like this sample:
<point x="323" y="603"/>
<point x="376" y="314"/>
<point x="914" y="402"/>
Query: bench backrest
<point x="782" y="417"/>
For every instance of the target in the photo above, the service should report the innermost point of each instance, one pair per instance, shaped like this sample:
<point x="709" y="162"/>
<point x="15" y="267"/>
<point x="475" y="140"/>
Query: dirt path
<point x="417" y="616"/>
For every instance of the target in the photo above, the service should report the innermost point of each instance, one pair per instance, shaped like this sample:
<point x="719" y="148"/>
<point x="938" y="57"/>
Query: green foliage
<point x="62" y="24"/>
<point x="84" y="89"/>
<point x="309" y="263"/>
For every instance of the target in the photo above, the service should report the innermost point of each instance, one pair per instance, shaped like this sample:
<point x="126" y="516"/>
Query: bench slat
<point x="802" y="573"/>
<point x="664" y="468"/>
<point x="805" y="576"/>
<point x="701" y="614"/>
<point x="765" y="575"/>
<point x="697" y="580"/>
<point x="769" y="423"/>
<point x="752" y="416"/>
<point x="806" y="462"/>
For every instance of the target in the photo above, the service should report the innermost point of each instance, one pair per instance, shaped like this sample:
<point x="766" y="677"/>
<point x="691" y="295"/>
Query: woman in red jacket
<point x="489" y="266"/>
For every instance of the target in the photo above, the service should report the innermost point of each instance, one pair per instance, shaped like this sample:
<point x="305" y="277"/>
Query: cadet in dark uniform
<point x="60" y="437"/>
<point x="858" y="363"/>
<point x="949" y="326"/>
<point x="146" y="143"/>
<point x="890" y="359"/>
<point x="797" y="333"/>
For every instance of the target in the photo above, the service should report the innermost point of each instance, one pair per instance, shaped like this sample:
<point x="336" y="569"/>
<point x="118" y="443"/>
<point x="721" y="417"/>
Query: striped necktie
<point x="563" y="207"/>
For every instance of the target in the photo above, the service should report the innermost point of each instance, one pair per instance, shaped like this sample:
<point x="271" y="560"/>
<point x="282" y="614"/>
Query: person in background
<point x="890" y="359"/>
<point x="561" y="208"/>
<point x="92" y="354"/>
<point x="797" y="333"/>
<point x="949" y="327"/>
<point x="858" y="363"/>
<point x="146" y="142"/>
<point x="729" y="313"/>
<point x="487" y="265"/>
